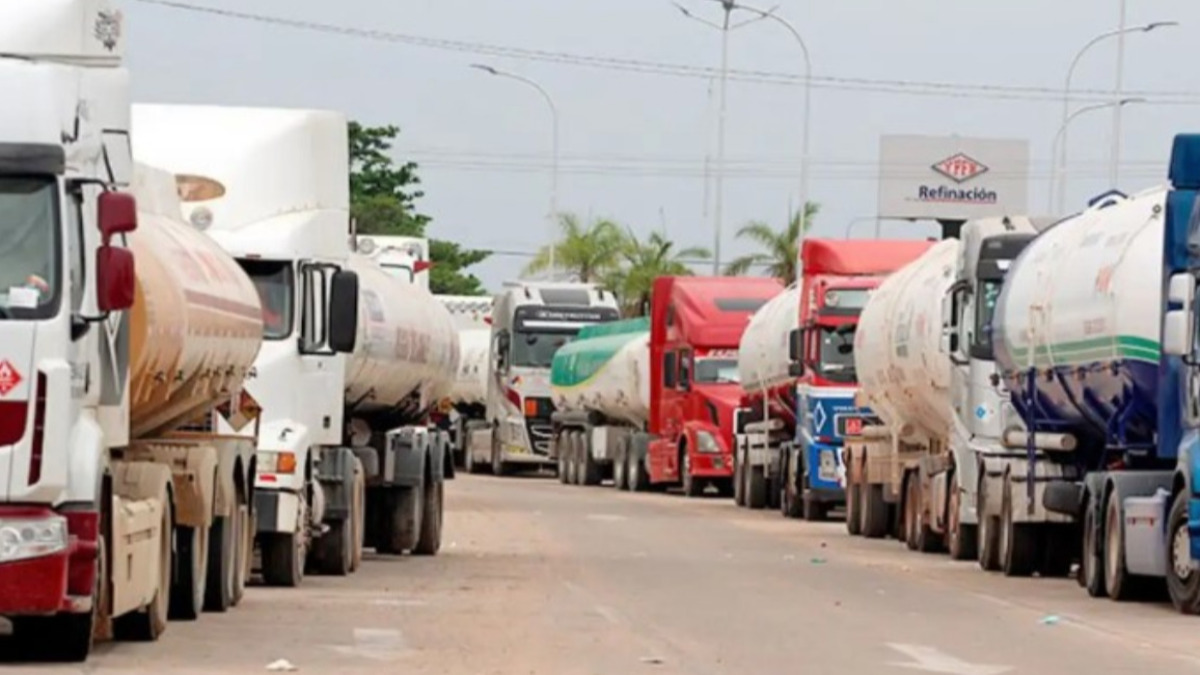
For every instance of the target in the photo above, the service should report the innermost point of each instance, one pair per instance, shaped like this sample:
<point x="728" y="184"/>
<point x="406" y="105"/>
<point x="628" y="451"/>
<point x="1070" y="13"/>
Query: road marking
<point x="933" y="660"/>
<point x="375" y="644"/>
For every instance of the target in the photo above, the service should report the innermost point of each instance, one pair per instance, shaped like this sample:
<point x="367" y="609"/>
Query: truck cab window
<point x="669" y="370"/>
<point x="835" y="359"/>
<point x="536" y="349"/>
<point x="315" y="319"/>
<point x="985" y="308"/>
<point x="716" y="371"/>
<point x="685" y="369"/>
<point x="29" y="247"/>
<point x="275" y="284"/>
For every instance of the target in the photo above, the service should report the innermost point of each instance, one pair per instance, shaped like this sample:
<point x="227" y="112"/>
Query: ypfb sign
<point x="952" y="177"/>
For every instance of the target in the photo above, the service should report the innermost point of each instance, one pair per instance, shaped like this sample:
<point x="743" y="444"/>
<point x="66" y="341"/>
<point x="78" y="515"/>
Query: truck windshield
<point x="536" y="349"/>
<point x="29" y="247"/>
<point x="717" y="371"/>
<point x="274" y="281"/>
<point x="985" y="309"/>
<point x="836" y="361"/>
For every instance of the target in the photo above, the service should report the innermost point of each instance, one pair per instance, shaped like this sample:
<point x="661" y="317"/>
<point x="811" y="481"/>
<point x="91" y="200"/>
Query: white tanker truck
<point x="465" y="408"/>
<point x="353" y="359"/>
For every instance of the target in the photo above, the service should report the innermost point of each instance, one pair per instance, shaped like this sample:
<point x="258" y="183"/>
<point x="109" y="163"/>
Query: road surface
<point x="540" y="578"/>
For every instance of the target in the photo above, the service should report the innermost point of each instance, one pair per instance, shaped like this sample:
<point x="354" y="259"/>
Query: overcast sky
<point x="633" y="143"/>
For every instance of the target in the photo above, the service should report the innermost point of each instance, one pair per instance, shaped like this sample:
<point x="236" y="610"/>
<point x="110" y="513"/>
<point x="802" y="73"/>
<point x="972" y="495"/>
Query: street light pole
<point x="807" y="111"/>
<point x="1115" y="156"/>
<point x="718" y="207"/>
<point x="1061" y="134"/>
<point x="1058" y="162"/>
<point x="553" y="148"/>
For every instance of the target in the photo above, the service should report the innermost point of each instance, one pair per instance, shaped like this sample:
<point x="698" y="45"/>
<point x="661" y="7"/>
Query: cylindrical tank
<point x="196" y="322"/>
<point x="1082" y="306"/>
<point x="606" y="369"/>
<point x="471" y="316"/>
<point x="763" y="353"/>
<point x="897" y="356"/>
<point x="406" y="343"/>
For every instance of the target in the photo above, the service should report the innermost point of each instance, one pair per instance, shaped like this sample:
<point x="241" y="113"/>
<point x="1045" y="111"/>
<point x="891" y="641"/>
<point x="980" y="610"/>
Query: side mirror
<point x="794" y="345"/>
<point x="116" y="281"/>
<point x="1181" y="289"/>
<point x="116" y="214"/>
<point x="795" y="369"/>
<point x="1177" y="333"/>
<point x="343" y="311"/>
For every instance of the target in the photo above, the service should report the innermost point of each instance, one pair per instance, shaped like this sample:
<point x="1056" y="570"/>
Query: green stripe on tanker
<point x="585" y="356"/>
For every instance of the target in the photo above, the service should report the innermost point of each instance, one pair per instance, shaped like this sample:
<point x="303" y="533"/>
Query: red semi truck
<point x="796" y="363"/>
<point x="650" y="403"/>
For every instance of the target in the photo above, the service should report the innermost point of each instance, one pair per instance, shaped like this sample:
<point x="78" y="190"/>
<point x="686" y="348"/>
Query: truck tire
<point x="919" y="536"/>
<point x="853" y="509"/>
<point x="739" y="477"/>
<point x="875" y="512"/>
<point x="621" y="465"/>
<point x="591" y="469"/>
<point x="430" y="540"/>
<point x="1120" y="583"/>
<point x="222" y="563"/>
<point x="989" y="529"/>
<point x="498" y="466"/>
<point x="245" y="555"/>
<point x="282" y="559"/>
<point x="561" y="448"/>
<point x="404" y="515"/>
<point x="756" y="487"/>
<point x="1018" y="541"/>
<point x="333" y="553"/>
<point x="359" y="530"/>
<point x="1183" y="582"/>
<point x="191" y="573"/>
<point x="1091" y="567"/>
<point x="572" y="459"/>
<point x="960" y="538"/>
<point x="692" y="487"/>
<point x="147" y="625"/>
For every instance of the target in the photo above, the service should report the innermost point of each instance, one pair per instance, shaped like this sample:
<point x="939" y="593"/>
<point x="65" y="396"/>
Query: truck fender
<point x="689" y="435"/>
<point x="439" y="445"/>
<point x="233" y="456"/>
<point x="193" y="468"/>
<point x="335" y="475"/>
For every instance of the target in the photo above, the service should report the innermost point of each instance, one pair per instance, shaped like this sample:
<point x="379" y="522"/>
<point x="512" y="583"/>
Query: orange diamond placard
<point x="9" y="377"/>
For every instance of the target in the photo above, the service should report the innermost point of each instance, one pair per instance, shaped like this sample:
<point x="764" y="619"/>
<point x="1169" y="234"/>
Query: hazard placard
<point x="9" y="377"/>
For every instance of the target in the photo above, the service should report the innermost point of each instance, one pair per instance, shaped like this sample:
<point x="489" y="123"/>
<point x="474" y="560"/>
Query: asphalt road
<point x="540" y="578"/>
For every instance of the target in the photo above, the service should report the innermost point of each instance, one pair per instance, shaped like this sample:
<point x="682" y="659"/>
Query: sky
<point x="633" y="143"/>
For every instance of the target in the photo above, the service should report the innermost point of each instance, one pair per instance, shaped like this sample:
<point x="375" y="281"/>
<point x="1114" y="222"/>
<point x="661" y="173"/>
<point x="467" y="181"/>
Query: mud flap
<point x="335" y="473"/>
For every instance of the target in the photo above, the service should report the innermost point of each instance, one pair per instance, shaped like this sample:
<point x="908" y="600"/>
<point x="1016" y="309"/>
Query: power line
<point x="859" y="84"/>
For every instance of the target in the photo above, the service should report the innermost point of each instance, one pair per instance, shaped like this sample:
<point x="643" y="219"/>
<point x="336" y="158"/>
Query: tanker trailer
<point x="167" y="535"/>
<point x="904" y="378"/>
<point x="1077" y="330"/>
<point x="766" y="420"/>
<point x="465" y="409"/>
<point x="601" y="388"/>
<point x="402" y="365"/>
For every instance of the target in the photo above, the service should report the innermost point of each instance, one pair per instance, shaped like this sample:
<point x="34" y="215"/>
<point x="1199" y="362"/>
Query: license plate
<point x="851" y="426"/>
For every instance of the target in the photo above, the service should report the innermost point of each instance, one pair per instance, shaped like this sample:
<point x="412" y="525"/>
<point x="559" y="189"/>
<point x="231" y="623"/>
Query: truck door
<point x="663" y="461"/>
<point x="322" y="369"/>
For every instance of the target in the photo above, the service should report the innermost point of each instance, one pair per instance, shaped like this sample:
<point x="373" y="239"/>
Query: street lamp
<point x="807" y="108"/>
<point x="1060" y="135"/>
<point x="1059" y="166"/>
<point x="724" y="27"/>
<point x="553" y="149"/>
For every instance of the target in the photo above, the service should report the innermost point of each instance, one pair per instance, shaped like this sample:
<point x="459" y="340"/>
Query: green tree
<point x="645" y="261"/>
<point x="383" y="196"/>
<point x="780" y="252"/>
<point x="590" y="251"/>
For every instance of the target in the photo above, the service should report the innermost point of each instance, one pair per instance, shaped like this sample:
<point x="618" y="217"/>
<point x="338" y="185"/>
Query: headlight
<point x="276" y="462"/>
<point x="707" y="443"/>
<point x="24" y="539"/>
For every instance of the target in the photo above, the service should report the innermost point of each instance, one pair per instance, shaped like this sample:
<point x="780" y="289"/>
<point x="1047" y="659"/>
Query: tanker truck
<point x="110" y="511"/>
<point x="349" y="352"/>
<point x="794" y="365"/>
<point x="464" y="409"/>
<point x="650" y="402"/>
<point x="1095" y="337"/>
<point x="530" y="322"/>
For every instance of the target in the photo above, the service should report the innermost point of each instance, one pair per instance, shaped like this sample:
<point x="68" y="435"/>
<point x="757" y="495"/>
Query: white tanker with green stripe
<point x="601" y="388"/>
<point x="1093" y="336"/>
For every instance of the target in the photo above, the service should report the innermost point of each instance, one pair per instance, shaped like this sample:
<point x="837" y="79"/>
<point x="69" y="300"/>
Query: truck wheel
<point x="404" y="518"/>
<point x="853" y="509"/>
<point x="561" y="448"/>
<point x="430" y="540"/>
<point x="222" y="564"/>
<point x="149" y="623"/>
<point x="814" y="511"/>
<point x="360" y="516"/>
<point x="282" y="559"/>
<point x="621" y="466"/>
<point x="1120" y="583"/>
<point x="637" y="475"/>
<point x="498" y="466"/>
<point x="591" y="469"/>
<point x="1018" y="541"/>
<point x="1091" y="569"/>
<point x="756" y="487"/>
<point x="791" y="504"/>
<point x="191" y="568"/>
<point x="333" y="553"/>
<point x="960" y="538"/>
<point x="572" y="459"/>
<point x="989" y="529"/>
<point x="691" y="486"/>
<point x="1183" y="582"/>
<point x="875" y="512"/>
<point x="245" y="554"/>
<point x="739" y="477"/>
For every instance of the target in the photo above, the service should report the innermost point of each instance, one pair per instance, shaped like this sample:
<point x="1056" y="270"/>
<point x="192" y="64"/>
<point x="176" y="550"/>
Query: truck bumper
<point x="712" y="466"/>
<point x="276" y="511"/>
<point x="58" y="582"/>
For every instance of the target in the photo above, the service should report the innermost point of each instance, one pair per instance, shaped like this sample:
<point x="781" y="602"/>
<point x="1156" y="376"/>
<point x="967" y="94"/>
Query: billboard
<point x="952" y="177"/>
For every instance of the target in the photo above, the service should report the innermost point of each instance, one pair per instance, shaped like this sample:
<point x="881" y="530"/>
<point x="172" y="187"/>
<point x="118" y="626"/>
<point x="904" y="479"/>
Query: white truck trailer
<point x="345" y="343"/>
<point x="108" y="508"/>
<point x="465" y="406"/>
<point x="530" y="321"/>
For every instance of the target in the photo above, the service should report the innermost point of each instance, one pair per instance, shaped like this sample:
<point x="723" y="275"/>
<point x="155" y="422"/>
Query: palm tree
<point x="590" y="251"/>
<point x="644" y="262"/>
<point x="781" y="252"/>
